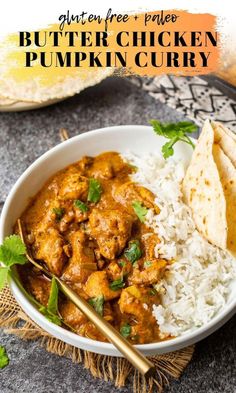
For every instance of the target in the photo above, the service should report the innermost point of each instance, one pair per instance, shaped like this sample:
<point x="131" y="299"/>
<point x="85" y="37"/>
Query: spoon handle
<point x="135" y="357"/>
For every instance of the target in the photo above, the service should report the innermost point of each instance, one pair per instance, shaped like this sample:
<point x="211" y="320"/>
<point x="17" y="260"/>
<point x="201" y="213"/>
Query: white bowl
<point x="139" y="139"/>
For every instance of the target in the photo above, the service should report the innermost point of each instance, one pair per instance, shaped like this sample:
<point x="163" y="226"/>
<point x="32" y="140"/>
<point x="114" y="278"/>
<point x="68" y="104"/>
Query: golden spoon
<point x="140" y="362"/>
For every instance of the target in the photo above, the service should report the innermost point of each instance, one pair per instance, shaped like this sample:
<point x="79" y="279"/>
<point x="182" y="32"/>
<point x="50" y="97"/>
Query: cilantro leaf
<point x="59" y="212"/>
<point x="140" y="210"/>
<point x="97" y="303"/>
<point x="174" y="132"/>
<point x="167" y="148"/>
<point x="4" y="359"/>
<point x="81" y="205"/>
<point x="51" y="317"/>
<point x="117" y="284"/>
<point x="51" y="311"/>
<point x="147" y="263"/>
<point x="52" y="303"/>
<point x="122" y="263"/>
<point x="133" y="253"/>
<point x="95" y="190"/>
<point x="152" y="292"/>
<point x="53" y="297"/>
<point x="125" y="330"/>
<point x="3" y="276"/>
<point x="12" y="251"/>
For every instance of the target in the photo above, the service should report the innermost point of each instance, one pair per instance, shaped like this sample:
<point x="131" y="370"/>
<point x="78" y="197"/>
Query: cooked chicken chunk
<point x="111" y="229"/>
<point x="72" y="315"/>
<point x="106" y="166"/>
<point x="85" y="163"/>
<point x="66" y="220"/>
<point x="150" y="274"/>
<point x="39" y="287"/>
<point x="74" y="186"/>
<point x="48" y="247"/>
<point x="130" y="192"/>
<point x="89" y="330"/>
<point x="82" y="263"/>
<point x="135" y="302"/>
<point x="98" y="284"/>
<point x="131" y="302"/>
<point x="116" y="269"/>
<point x="149" y="242"/>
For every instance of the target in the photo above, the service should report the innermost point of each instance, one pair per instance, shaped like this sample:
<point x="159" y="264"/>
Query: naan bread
<point x="226" y="139"/>
<point x="203" y="191"/>
<point x="227" y="174"/>
<point x="34" y="90"/>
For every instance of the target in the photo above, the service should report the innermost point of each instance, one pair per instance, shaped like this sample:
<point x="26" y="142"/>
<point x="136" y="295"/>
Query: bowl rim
<point x="187" y="338"/>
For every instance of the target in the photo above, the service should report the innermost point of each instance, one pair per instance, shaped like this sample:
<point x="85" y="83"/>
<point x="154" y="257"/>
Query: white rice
<point x="197" y="284"/>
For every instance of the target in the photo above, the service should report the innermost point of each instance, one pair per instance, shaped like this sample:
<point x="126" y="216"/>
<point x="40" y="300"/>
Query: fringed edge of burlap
<point x="14" y="321"/>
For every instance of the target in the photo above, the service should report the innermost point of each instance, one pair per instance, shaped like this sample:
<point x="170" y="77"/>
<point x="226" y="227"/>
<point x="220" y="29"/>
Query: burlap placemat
<point x="14" y="321"/>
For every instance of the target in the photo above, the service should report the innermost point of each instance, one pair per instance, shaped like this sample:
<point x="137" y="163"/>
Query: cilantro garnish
<point x="152" y="292"/>
<point x="122" y="263"/>
<point x="12" y="252"/>
<point x="147" y="263"/>
<point x="140" y="210"/>
<point x="4" y="359"/>
<point x="95" y="190"/>
<point x="51" y="311"/>
<point x="174" y="132"/>
<point x="59" y="212"/>
<point x="125" y="330"/>
<point x="117" y="284"/>
<point x="133" y="253"/>
<point x="97" y="303"/>
<point x="81" y="205"/>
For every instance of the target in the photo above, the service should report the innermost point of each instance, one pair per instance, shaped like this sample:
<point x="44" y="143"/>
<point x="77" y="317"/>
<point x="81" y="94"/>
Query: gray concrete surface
<point x="24" y="137"/>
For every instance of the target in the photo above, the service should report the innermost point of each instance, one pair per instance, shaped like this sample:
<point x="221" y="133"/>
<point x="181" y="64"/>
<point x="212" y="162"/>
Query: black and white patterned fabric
<point x="192" y="96"/>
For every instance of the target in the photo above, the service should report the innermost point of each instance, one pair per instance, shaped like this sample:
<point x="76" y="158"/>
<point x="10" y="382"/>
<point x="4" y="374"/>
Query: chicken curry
<point x="87" y="225"/>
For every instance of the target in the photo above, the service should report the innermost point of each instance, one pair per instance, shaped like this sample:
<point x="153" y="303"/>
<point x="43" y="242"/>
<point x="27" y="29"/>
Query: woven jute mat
<point x="14" y="321"/>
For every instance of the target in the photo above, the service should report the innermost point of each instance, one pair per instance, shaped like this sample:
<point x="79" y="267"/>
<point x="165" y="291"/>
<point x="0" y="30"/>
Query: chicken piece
<point x="48" y="247"/>
<point x="144" y="333"/>
<point x="151" y="274"/>
<point x="116" y="269"/>
<point x="131" y="302"/>
<point x="100" y="260"/>
<point x="98" y="285"/>
<point x="102" y="169"/>
<point x="111" y="229"/>
<point x="66" y="220"/>
<point x="89" y="330"/>
<point x="55" y="215"/>
<point x="149" y="242"/>
<point x="39" y="287"/>
<point x="72" y="315"/>
<point x="130" y="192"/>
<point x="80" y="216"/>
<point x="136" y="302"/>
<point x="85" y="163"/>
<point x="82" y="263"/>
<point x="106" y="165"/>
<point x="74" y="186"/>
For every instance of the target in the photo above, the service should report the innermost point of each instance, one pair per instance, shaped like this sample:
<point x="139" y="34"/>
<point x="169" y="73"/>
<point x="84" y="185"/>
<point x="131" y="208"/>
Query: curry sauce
<point x="84" y="224"/>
